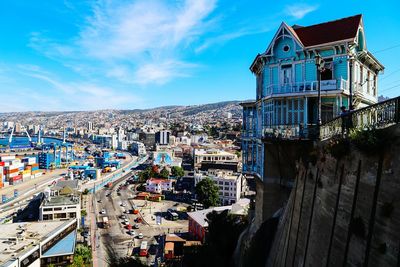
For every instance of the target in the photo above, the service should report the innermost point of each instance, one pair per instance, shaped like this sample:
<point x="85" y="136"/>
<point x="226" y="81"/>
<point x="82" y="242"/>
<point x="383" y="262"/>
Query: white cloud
<point x="78" y="95"/>
<point x="162" y="72"/>
<point x="299" y="11"/>
<point x="123" y="39"/>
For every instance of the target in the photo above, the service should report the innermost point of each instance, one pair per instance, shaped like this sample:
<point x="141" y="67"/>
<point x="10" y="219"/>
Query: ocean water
<point x="22" y="141"/>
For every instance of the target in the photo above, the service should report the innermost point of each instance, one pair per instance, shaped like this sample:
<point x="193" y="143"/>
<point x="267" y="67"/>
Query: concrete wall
<point x="312" y="233"/>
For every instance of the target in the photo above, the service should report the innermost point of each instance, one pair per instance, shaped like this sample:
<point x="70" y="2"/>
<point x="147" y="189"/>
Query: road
<point x="29" y="188"/>
<point x="117" y="236"/>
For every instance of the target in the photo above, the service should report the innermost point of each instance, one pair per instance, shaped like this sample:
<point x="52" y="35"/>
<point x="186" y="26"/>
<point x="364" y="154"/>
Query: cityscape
<point x="150" y="133"/>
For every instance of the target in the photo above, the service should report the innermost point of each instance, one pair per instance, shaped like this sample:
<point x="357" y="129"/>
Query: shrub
<point x="370" y="140"/>
<point x="338" y="147"/>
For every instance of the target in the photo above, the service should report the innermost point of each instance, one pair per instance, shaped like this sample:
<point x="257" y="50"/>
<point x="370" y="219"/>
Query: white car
<point x="123" y="204"/>
<point x="132" y="233"/>
<point x="126" y="221"/>
<point x="103" y="211"/>
<point x="140" y="236"/>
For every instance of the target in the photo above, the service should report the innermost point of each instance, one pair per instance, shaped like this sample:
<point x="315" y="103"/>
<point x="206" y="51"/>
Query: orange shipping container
<point x="8" y="171"/>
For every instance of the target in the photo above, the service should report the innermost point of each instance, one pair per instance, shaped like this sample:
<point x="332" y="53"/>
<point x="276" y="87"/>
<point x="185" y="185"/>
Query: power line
<point x="393" y="72"/>
<point x="390" y="88"/>
<point x="385" y="49"/>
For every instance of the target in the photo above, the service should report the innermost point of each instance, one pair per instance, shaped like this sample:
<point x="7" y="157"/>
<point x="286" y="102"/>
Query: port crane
<point x="23" y="128"/>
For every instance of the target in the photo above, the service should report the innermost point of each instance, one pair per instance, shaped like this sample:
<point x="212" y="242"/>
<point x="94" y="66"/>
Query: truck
<point x="143" y="249"/>
<point x="105" y="222"/>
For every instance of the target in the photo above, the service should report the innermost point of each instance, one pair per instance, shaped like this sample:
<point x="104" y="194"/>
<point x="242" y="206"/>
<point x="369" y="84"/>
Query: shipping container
<point x="4" y="158"/>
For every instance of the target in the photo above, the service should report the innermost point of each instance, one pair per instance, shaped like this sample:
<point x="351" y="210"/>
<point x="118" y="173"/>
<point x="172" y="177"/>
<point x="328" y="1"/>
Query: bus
<point x="105" y="222"/>
<point x="143" y="249"/>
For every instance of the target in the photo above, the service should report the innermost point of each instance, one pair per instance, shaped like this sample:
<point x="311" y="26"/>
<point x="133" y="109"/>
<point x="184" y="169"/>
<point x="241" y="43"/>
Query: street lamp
<point x="351" y="58"/>
<point x="319" y="63"/>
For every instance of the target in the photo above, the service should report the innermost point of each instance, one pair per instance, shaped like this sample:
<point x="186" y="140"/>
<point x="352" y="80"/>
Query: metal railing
<point x="380" y="115"/>
<point x="307" y="86"/>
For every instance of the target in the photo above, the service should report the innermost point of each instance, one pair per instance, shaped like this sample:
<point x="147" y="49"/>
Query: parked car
<point x="132" y="232"/>
<point x="103" y="211"/>
<point x="136" y="226"/>
<point x="140" y="236"/>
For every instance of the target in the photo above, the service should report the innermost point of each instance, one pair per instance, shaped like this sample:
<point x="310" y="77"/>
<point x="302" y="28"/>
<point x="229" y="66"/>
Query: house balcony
<point x="306" y="87"/>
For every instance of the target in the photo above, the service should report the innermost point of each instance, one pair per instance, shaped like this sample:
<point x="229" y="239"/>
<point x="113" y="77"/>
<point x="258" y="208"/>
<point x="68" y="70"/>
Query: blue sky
<point x="86" y="55"/>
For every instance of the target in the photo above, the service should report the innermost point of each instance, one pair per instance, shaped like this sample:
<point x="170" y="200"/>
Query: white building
<point x="198" y="138"/>
<point x="213" y="156"/>
<point x="36" y="244"/>
<point x="184" y="140"/>
<point x="231" y="185"/>
<point x="162" y="137"/>
<point x="62" y="202"/>
<point x="138" y="148"/>
<point x="123" y="145"/>
<point x="114" y="141"/>
<point x="90" y="126"/>
<point x="121" y="135"/>
<point x="154" y="185"/>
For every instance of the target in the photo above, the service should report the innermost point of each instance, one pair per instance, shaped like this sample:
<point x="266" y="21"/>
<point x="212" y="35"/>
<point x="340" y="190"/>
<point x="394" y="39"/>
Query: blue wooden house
<point x="287" y="82"/>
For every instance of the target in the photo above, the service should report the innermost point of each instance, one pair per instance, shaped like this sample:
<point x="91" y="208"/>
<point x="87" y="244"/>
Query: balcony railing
<point x="380" y="115"/>
<point x="306" y="86"/>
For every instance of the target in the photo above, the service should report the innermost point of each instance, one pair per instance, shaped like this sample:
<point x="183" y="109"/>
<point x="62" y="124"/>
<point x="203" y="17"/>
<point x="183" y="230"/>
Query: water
<point x="23" y="141"/>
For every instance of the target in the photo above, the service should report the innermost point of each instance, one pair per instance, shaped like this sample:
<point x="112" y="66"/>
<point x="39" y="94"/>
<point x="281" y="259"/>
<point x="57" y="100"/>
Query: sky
<point x="87" y="55"/>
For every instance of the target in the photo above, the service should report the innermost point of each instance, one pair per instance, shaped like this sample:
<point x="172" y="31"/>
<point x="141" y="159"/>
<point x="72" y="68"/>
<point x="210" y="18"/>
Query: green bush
<point x="370" y="140"/>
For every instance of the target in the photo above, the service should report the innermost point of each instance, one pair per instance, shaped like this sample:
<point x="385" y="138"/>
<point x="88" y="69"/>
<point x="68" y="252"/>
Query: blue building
<point x="331" y="56"/>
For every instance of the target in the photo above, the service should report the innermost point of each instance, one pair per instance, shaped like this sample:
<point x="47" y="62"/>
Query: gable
<point x="284" y="36"/>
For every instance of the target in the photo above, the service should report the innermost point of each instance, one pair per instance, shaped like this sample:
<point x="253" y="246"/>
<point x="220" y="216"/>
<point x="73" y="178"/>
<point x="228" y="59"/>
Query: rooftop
<point x="60" y="200"/>
<point x="328" y="32"/>
<point x="29" y="234"/>
<point x="65" y="246"/>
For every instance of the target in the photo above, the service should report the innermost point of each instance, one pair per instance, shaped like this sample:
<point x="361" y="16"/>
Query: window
<point x="286" y="74"/>
<point x="57" y="209"/>
<point x="286" y="48"/>
<point x="48" y="209"/>
<point x="327" y="71"/>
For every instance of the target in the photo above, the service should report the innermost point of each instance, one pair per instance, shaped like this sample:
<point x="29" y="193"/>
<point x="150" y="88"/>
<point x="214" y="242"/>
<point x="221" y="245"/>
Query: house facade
<point x="331" y="56"/>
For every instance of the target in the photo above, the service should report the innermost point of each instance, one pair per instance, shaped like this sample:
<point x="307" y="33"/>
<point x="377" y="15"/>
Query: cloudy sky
<point x="86" y="55"/>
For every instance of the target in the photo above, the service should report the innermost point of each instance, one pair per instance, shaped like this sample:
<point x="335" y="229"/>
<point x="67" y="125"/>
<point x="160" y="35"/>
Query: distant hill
<point x="212" y="110"/>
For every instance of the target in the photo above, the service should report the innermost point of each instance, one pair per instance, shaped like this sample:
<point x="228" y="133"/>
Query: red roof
<point x="328" y="32"/>
<point x="158" y="180"/>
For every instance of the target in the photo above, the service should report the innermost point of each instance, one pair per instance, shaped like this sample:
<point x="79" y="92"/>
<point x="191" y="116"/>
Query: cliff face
<point x="343" y="211"/>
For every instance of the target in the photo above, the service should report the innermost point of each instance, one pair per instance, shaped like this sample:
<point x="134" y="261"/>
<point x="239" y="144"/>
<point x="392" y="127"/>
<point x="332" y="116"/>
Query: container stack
<point x="2" y="174"/>
<point x="27" y="172"/>
<point x="12" y="172"/>
<point x="35" y="170"/>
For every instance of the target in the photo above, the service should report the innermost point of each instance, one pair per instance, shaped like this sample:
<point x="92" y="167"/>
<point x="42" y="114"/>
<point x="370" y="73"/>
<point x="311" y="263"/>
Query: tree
<point x="155" y="169"/>
<point x="177" y="171"/>
<point x="83" y="254"/>
<point x="207" y="192"/>
<point x="164" y="173"/>
<point x="223" y="233"/>
<point x="83" y="213"/>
